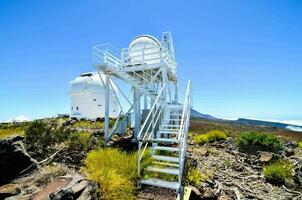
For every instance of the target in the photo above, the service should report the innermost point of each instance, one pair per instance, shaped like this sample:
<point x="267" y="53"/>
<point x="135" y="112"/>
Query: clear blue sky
<point x="243" y="57"/>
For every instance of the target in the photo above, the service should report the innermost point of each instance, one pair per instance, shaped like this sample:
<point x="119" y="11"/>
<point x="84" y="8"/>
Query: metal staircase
<point x="169" y="143"/>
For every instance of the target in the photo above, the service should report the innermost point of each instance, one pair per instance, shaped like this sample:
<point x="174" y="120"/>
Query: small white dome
<point x="143" y="39"/>
<point x="89" y="83"/>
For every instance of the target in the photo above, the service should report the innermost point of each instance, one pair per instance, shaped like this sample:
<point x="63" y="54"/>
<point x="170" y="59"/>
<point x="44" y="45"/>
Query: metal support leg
<point x="107" y="108"/>
<point x="137" y="111"/>
<point x="176" y="93"/>
<point x="154" y="133"/>
<point x="145" y="102"/>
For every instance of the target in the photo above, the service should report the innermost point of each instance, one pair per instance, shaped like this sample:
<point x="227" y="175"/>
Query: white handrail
<point x="155" y="110"/>
<point x="183" y="131"/>
<point x="151" y="110"/>
<point x="185" y="106"/>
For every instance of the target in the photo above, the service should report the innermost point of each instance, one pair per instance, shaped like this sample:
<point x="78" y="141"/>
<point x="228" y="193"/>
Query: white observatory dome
<point x="144" y="39"/>
<point x="144" y="49"/>
<point x="88" y="97"/>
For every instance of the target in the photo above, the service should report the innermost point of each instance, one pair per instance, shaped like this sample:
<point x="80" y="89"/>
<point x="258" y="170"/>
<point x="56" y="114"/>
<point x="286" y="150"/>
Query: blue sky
<point x="243" y="57"/>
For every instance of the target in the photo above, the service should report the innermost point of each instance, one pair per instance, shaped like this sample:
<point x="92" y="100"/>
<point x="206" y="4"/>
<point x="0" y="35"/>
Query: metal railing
<point x="183" y="131"/>
<point x="147" y="53"/>
<point x="149" y="125"/>
<point x="106" y="54"/>
<point x="142" y="54"/>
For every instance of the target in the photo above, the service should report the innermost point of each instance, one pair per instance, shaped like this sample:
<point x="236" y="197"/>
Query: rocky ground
<point x="24" y="178"/>
<point x="233" y="175"/>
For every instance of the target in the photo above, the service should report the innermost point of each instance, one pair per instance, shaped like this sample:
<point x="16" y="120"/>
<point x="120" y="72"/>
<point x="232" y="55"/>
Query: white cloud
<point x="294" y="128"/>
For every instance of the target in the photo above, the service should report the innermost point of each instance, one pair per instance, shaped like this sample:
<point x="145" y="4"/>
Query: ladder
<point x="169" y="142"/>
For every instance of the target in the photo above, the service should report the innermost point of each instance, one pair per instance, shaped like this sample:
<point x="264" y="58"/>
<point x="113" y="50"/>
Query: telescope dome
<point x="87" y="94"/>
<point x="144" y="39"/>
<point x="144" y="49"/>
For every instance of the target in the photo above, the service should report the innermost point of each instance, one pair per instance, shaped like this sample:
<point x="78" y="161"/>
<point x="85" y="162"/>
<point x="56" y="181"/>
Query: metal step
<point x="168" y="131"/>
<point x="174" y="114"/>
<point x="166" y="158"/>
<point x="165" y="163"/>
<point x="168" y="140"/>
<point x="172" y="119"/>
<point x="160" y="183"/>
<point x="173" y="171"/>
<point x="163" y="148"/>
<point x="175" y="106"/>
<point x="170" y="126"/>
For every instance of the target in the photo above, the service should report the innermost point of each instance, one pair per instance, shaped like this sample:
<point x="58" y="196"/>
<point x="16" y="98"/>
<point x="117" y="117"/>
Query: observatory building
<point x="87" y="97"/>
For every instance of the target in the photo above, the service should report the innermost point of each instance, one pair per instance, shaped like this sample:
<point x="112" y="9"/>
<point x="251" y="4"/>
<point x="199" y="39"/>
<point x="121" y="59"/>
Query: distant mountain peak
<point x="20" y="118"/>
<point x="196" y="114"/>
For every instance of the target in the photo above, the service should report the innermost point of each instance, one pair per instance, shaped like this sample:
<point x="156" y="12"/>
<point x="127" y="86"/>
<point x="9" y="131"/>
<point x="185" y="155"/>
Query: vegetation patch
<point x="41" y="136"/>
<point x="8" y="129"/>
<point x="278" y="171"/>
<point x="115" y="171"/>
<point x="210" y="137"/>
<point x="89" y="124"/>
<point x="192" y="175"/>
<point x="259" y="141"/>
<point x="81" y="140"/>
<point x="195" y="177"/>
<point x="300" y="144"/>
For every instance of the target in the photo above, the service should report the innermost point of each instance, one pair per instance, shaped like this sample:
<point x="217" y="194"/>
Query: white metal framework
<point x="149" y="66"/>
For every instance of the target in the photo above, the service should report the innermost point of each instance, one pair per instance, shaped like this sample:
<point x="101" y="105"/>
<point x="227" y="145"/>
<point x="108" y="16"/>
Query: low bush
<point x="81" y="140"/>
<point x="11" y="131"/>
<point x="278" y="171"/>
<point x="194" y="177"/>
<point x="260" y="140"/>
<point x="210" y="137"/>
<point x="300" y="144"/>
<point x="84" y="141"/>
<point x="89" y="124"/>
<point x="41" y="136"/>
<point x="115" y="171"/>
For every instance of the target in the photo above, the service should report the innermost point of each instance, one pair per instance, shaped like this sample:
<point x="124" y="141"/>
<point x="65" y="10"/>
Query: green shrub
<point x="10" y="131"/>
<point x="81" y="140"/>
<point x="227" y="163"/>
<point x="41" y="136"/>
<point x="89" y="124"/>
<point x="300" y="144"/>
<point x="210" y="137"/>
<point x="264" y="141"/>
<point x="84" y="141"/>
<point x="115" y="171"/>
<point x="278" y="171"/>
<point x="194" y="177"/>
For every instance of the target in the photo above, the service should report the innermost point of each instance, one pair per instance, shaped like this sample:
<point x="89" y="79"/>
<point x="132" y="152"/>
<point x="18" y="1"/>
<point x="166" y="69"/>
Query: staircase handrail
<point x="143" y="136"/>
<point x="183" y="131"/>
<point x="151" y="110"/>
